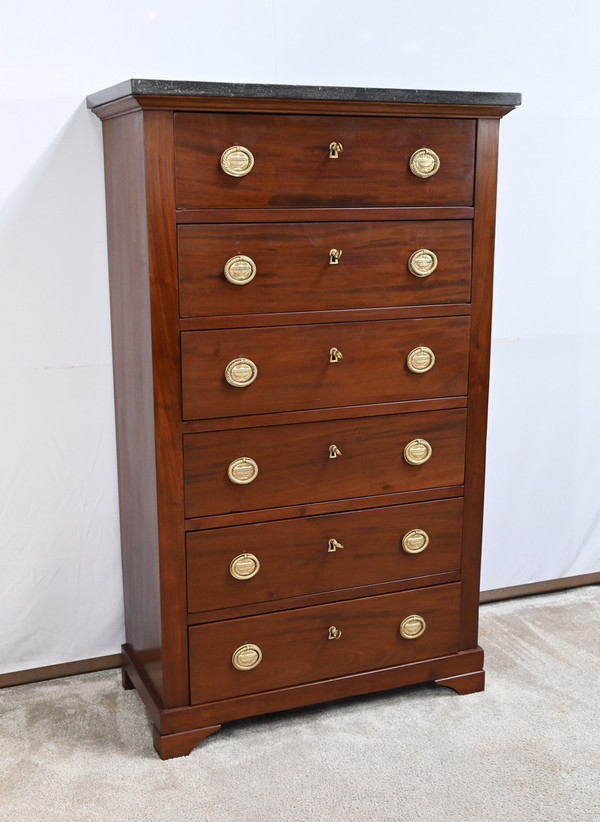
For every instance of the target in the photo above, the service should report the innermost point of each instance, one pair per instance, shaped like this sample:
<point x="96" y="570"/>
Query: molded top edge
<point x="187" y="88"/>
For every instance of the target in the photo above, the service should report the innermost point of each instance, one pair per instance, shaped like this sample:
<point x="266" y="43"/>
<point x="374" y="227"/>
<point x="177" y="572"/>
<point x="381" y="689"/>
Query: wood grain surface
<point x="295" y="646"/>
<point x="295" y="372"/>
<point x="295" y="467"/>
<point x="292" y="166"/>
<point x="294" y="272"/>
<point x="479" y="375"/>
<point x="295" y="560"/>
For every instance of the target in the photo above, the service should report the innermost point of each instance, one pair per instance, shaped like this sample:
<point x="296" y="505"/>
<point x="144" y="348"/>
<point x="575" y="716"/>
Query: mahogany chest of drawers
<point x="301" y="285"/>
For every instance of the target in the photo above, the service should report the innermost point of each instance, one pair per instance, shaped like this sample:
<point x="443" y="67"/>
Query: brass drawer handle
<point x="415" y="541"/>
<point x="420" y="359"/>
<point x="334" y="256"/>
<point x="244" y="566"/>
<point x="335" y="355"/>
<point x="246" y="657"/>
<point x="240" y="270"/>
<point x="335" y="149"/>
<point x="424" y="162"/>
<point x="422" y="262"/>
<point x="241" y="372"/>
<point x="334" y="633"/>
<point x="334" y="545"/>
<point x="237" y="161"/>
<point x="242" y="471"/>
<point x="412" y="627"/>
<point x="334" y="452"/>
<point x="417" y="452"/>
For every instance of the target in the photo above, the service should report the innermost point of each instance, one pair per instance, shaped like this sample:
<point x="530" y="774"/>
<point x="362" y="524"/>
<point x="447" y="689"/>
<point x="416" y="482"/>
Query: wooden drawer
<point x="293" y="272"/>
<point x="294" y="371"/>
<point x="294" y="557"/>
<point x="295" y="646"/>
<point x="292" y="167"/>
<point x="294" y="466"/>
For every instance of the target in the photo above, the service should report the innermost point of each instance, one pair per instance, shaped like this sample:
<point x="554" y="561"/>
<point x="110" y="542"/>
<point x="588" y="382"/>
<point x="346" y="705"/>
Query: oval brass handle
<point x="334" y="256"/>
<point x="335" y="149"/>
<point x="335" y="355"/>
<point x="334" y="545"/>
<point x="417" y="452"/>
<point x="334" y="452"/>
<point x="422" y="262"/>
<point x="237" y="161"/>
<point x="415" y="541"/>
<point x="244" y="566"/>
<point x="240" y="270"/>
<point x="412" y="627"/>
<point x="242" y="471"/>
<point x="420" y="359"/>
<point x="241" y="372"/>
<point x="246" y="657"/>
<point x="424" y="162"/>
<point x="334" y="633"/>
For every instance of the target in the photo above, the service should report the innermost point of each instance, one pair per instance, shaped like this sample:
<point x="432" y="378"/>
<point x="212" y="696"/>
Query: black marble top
<point x="188" y="88"/>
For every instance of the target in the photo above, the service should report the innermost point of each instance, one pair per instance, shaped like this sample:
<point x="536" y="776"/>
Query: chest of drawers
<point x="301" y="287"/>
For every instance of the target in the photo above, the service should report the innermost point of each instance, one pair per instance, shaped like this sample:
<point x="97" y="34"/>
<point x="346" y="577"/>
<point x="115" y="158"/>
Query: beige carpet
<point x="528" y="748"/>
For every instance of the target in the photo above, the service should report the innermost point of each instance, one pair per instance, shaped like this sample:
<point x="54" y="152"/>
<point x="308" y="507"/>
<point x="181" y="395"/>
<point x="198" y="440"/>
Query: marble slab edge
<point x="188" y="88"/>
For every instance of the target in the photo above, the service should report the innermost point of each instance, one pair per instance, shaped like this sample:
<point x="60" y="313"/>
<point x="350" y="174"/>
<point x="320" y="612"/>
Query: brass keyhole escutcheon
<point x="424" y="162"/>
<point x="412" y="627"/>
<point x="335" y="149"/>
<point x="334" y="545"/>
<point x="334" y="256"/>
<point x="335" y="355"/>
<point x="334" y="452"/>
<point x="244" y="566"/>
<point x="237" y="161"/>
<point x="420" y="359"/>
<point x="422" y="262"/>
<point x="246" y="657"/>
<point x="417" y="452"/>
<point x="239" y="270"/>
<point x="415" y="541"/>
<point x="242" y="471"/>
<point x="334" y="633"/>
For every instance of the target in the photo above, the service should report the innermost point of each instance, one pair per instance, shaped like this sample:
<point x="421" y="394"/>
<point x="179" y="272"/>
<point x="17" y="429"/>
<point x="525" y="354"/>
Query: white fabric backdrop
<point x="60" y="586"/>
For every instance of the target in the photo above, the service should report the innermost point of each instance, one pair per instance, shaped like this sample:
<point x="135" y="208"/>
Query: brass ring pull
<point x="240" y="270"/>
<point x="244" y="566"/>
<point x="246" y="657"/>
<point x="417" y="452"/>
<point x="424" y="162"/>
<point x="334" y="633"/>
<point x="237" y="161"/>
<point x="334" y="452"/>
<point x="335" y="149"/>
<point x="242" y="471"/>
<point x="420" y="359"/>
<point x="334" y="256"/>
<point x="335" y="355"/>
<point x="415" y="541"/>
<point x="334" y="545"/>
<point x="412" y="627"/>
<point x="241" y="372"/>
<point x="422" y="262"/>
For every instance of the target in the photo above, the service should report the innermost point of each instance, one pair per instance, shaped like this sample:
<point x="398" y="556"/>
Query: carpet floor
<point x="527" y="748"/>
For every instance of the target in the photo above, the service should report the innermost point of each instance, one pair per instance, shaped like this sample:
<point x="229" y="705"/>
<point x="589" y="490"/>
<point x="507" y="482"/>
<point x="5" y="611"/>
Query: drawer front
<point x="294" y="272"/>
<point x="248" y="564"/>
<point x="292" y="167"/>
<point x="295" y="647"/>
<point x="295" y="467"/>
<point x="289" y="368"/>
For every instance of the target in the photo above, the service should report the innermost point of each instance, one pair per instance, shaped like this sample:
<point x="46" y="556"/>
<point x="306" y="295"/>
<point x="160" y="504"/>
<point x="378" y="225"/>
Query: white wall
<point x="60" y="595"/>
